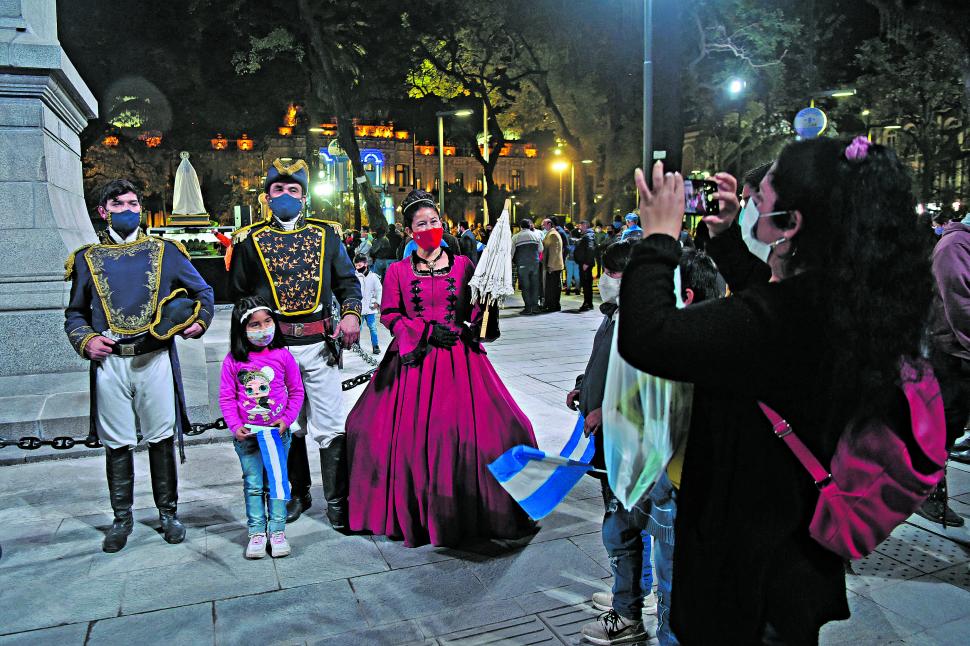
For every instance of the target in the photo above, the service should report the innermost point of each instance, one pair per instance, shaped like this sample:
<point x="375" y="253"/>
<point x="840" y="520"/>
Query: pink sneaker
<point x="278" y="546"/>
<point x="257" y="546"/>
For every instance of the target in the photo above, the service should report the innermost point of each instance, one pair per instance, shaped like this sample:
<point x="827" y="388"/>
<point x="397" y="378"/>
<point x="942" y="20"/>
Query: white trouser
<point x="322" y="415"/>
<point x="135" y="394"/>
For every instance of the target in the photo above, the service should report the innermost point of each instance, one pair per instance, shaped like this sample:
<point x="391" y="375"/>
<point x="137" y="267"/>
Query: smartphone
<point x="699" y="197"/>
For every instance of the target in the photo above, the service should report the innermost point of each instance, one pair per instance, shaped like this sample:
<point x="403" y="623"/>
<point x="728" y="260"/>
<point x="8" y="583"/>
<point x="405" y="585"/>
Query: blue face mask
<point x="286" y="207"/>
<point x="124" y="222"/>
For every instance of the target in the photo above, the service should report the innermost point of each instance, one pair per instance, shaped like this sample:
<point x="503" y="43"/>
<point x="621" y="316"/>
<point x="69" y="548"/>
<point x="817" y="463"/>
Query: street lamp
<point x="560" y="165"/>
<point x="441" y="151"/>
<point x="735" y="88"/>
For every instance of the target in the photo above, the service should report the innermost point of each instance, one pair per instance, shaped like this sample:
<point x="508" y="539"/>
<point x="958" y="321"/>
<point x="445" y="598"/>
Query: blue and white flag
<point x="274" y="460"/>
<point x="539" y="481"/>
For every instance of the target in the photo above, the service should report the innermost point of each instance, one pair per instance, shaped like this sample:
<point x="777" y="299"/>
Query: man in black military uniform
<point x="130" y="295"/>
<point x="298" y="264"/>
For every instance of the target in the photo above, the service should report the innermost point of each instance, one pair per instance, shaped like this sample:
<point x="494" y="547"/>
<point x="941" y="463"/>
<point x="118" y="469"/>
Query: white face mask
<point x="609" y="288"/>
<point x="748" y="222"/>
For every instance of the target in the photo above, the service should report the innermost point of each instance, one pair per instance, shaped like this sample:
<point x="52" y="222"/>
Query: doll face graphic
<point x="256" y="386"/>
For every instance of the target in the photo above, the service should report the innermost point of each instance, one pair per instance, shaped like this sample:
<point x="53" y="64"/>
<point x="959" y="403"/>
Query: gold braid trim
<point x="292" y="168"/>
<point x="243" y="232"/>
<point x="178" y="245"/>
<point x="69" y="263"/>
<point x="84" y="344"/>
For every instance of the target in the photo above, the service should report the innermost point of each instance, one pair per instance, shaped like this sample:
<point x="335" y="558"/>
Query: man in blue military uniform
<point x="130" y="295"/>
<point x="299" y="264"/>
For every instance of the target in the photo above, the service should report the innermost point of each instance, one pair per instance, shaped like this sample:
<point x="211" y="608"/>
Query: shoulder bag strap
<point x="784" y="431"/>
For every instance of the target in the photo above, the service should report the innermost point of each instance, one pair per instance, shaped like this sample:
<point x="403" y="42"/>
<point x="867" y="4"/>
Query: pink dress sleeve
<point x="294" y="387"/>
<point x="227" y="394"/>
<point x="411" y="335"/>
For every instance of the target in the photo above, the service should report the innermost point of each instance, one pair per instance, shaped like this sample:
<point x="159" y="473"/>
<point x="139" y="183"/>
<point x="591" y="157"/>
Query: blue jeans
<point x="628" y="545"/>
<point x="572" y="275"/>
<point x="255" y="488"/>
<point x="530" y="285"/>
<point x="371" y="320"/>
<point x="663" y="515"/>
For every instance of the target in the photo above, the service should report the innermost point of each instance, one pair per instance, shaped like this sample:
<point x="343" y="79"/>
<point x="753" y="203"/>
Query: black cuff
<point x="420" y="351"/>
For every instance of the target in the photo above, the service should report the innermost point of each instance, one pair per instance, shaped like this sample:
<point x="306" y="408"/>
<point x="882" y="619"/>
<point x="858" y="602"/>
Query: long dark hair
<point x="239" y="345"/>
<point x="860" y="233"/>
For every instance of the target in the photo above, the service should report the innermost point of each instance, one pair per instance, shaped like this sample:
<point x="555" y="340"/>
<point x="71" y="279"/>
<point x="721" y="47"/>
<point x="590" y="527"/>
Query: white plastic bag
<point x="645" y="419"/>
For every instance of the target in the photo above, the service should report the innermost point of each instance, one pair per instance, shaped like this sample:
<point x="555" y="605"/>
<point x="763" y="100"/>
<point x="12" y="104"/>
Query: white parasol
<point x="492" y="281"/>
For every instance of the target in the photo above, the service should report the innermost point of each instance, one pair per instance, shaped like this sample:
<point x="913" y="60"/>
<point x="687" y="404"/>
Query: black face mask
<point x="364" y="271"/>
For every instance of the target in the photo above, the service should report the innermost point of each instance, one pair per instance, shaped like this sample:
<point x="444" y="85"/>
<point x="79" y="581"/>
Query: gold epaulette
<point x="178" y="245"/>
<point x="69" y="263"/>
<point x="242" y="233"/>
<point x="326" y="224"/>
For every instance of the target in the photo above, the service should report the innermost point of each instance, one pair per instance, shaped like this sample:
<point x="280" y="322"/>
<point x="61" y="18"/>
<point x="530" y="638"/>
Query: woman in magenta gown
<point x="435" y="414"/>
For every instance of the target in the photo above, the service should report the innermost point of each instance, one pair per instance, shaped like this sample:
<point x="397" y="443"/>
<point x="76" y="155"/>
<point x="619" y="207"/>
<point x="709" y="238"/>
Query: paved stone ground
<point x="59" y="588"/>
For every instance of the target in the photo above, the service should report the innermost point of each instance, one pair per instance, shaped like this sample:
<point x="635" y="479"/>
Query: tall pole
<point x="561" y="205"/>
<point x="441" y="164"/>
<point x="572" y="188"/>
<point x="739" y="146"/>
<point x="647" y="84"/>
<point x="485" y="157"/>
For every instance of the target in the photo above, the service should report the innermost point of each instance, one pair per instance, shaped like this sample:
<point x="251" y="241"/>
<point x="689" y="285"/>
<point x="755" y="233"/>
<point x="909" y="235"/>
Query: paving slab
<point x="470" y="616"/>
<point x="223" y="576"/>
<point x="71" y="635"/>
<point x="405" y="633"/>
<point x="186" y="626"/>
<point x="537" y="567"/>
<point x="54" y="592"/>
<point x="870" y="624"/>
<point x="926" y="601"/>
<point x="288" y="616"/>
<point x="417" y="591"/>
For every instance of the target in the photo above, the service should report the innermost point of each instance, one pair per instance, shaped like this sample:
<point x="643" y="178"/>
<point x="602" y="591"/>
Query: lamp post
<point x="560" y="166"/>
<point x="441" y="151"/>
<point x="647" y="84"/>
<point x="735" y="88"/>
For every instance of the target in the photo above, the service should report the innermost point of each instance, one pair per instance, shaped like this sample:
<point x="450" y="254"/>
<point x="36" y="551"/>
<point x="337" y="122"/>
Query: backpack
<point x="875" y="481"/>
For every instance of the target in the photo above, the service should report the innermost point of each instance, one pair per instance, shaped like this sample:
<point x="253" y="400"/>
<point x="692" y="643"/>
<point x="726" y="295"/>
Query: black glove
<point x="442" y="336"/>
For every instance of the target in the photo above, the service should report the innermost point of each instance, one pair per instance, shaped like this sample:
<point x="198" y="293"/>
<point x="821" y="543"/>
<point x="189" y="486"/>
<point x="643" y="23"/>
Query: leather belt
<point x="139" y="346"/>
<point x="313" y="328"/>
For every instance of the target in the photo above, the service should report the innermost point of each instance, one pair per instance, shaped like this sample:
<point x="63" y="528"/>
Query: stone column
<point x="44" y="105"/>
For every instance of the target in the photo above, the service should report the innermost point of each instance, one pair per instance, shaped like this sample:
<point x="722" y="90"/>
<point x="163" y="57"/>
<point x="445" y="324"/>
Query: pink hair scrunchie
<point x="858" y="149"/>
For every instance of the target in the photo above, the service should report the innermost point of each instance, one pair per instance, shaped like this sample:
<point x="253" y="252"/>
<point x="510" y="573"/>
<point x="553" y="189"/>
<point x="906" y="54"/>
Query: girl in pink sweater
<point x="260" y="388"/>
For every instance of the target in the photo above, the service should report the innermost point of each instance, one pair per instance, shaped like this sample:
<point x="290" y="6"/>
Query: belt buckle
<point x="297" y="329"/>
<point x="127" y="349"/>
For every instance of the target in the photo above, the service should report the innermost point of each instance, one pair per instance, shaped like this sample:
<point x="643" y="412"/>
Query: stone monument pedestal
<point x="44" y="105"/>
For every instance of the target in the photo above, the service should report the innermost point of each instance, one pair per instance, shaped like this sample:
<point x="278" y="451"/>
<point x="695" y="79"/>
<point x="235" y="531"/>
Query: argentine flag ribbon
<point x="539" y="481"/>
<point x="274" y="460"/>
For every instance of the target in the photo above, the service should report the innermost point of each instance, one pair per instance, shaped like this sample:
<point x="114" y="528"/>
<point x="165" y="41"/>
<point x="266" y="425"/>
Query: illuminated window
<point x="479" y="185"/>
<point x="515" y="179"/>
<point x="402" y="175"/>
<point x="460" y="179"/>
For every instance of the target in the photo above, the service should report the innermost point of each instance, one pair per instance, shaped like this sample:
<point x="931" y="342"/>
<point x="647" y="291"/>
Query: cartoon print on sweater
<point x="258" y="403"/>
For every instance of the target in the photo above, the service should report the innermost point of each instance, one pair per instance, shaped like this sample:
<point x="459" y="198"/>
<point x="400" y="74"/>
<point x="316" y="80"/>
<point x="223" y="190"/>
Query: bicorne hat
<point x="175" y="313"/>
<point x="280" y="172"/>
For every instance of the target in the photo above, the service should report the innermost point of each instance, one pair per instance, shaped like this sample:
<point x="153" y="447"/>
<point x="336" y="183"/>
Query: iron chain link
<point x="63" y="443"/>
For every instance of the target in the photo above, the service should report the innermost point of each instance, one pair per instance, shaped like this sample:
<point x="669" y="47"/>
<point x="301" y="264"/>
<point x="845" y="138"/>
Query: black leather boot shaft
<point x="333" y="472"/>
<point x="120" y="469"/>
<point x="161" y="460"/>
<point x="298" y="470"/>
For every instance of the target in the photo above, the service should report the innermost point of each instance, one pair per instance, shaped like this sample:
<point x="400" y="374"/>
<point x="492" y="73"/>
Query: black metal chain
<point x="63" y="443"/>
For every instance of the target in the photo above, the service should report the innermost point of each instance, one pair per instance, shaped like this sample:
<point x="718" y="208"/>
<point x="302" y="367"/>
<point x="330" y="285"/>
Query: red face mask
<point x="429" y="239"/>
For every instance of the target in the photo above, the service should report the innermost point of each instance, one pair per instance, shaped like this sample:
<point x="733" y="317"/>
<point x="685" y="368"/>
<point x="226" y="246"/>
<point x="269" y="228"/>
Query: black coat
<point x="744" y="555"/>
<point x="585" y="251"/>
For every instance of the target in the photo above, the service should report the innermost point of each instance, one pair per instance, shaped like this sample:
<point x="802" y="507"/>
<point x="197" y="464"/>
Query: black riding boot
<point x="120" y="468"/>
<point x="161" y="459"/>
<point x="333" y="472"/>
<point x="298" y="470"/>
<point x="937" y="508"/>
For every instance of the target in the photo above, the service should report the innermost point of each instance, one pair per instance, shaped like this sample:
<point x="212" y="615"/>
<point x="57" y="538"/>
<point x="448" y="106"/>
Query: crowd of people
<point x="805" y="300"/>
